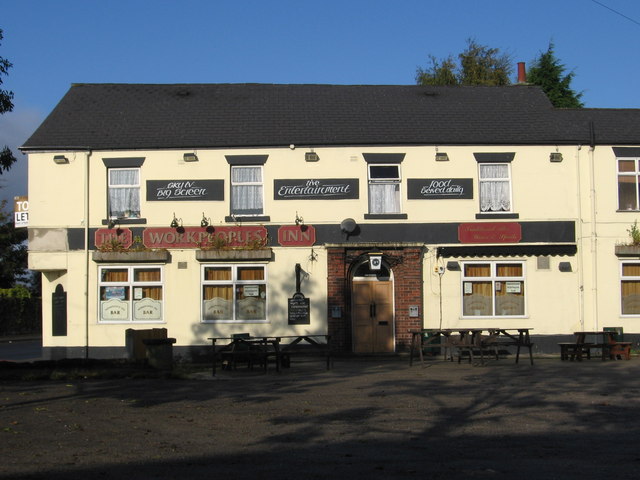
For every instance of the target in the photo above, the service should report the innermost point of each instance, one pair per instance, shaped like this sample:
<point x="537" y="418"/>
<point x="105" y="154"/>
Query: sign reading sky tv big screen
<point x="316" y="189"/>
<point x="161" y="190"/>
<point x="440" y="188"/>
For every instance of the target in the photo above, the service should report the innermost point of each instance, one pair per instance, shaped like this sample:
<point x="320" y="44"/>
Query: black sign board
<point x="299" y="310"/>
<point x="161" y="190"/>
<point x="439" y="188"/>
<point x="59" y="312"/>
<point x="316" y="189"/>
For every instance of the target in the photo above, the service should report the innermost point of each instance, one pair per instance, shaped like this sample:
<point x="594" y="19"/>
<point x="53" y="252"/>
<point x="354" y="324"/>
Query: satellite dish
<point x="348" y="225"/>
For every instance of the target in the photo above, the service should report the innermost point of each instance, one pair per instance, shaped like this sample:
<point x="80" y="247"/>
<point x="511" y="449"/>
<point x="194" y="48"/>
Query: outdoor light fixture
<point x="555" y="157"/>
<point x="205" y="221"/>
<point x="176" y="222"/>
<point x="299" y="220"/>
<point x="375" y="260"/>
<point x="311" y="156"/>
<point x="442" y="157"/>
<point x="190" y="157"/>
<point x="112" y="223"/>
<point x="60" y="160"/>
<point x="565" y="267"/>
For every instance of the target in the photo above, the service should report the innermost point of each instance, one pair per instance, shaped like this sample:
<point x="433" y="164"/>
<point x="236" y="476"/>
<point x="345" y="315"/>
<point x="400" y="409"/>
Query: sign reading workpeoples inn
<point x="162" y="190"/>
<point x="316" y="189"/>
<point x="439" y="188"/>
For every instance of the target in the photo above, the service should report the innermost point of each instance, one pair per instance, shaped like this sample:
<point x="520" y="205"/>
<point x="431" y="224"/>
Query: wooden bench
<point x="576" y="351"/>
<point x="311" y="347"/>
<point x="620" y="350"/>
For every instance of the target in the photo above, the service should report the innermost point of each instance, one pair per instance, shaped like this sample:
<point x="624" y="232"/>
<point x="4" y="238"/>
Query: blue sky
<point x="53" y="44"/>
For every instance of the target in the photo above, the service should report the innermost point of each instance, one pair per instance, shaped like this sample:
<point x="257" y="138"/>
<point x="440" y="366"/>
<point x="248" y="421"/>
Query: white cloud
<point x="15" y="128"/>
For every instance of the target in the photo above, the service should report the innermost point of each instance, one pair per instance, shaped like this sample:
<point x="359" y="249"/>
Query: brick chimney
<point x="522" y="73"/>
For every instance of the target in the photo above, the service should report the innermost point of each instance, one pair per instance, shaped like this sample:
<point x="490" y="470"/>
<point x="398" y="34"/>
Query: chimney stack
<point x="522" y="73"/>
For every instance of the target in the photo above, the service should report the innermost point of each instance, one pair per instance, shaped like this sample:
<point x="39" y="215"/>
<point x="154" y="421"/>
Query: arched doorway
<point x="372" y="309"/>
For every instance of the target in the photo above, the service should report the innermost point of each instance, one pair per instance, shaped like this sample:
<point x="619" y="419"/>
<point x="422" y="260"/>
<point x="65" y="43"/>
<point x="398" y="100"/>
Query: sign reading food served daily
<point x="316" y="189"/>
<point x="163" y="190"/>
<point x="439" y="188"/>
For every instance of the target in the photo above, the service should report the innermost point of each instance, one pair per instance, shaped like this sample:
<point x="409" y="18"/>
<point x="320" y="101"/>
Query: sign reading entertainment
<point x="316" y="189"/>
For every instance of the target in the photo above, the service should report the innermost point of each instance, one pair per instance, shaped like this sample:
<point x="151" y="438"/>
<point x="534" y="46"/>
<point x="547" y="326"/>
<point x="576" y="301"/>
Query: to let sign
<point x="490" y="232"/>
<point x="21" y="211"/>
<point x="296" y="236"/>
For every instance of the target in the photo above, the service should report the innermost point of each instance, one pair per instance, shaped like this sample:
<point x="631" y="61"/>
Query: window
<point x="130" y="294"/>
<point x="630" y="288"/>
<point x="493" y="289"/>
<point x="384" y="188"/>
<point x="495" y="187"/>
<point x="234" y="293"/>
<point x="124" y="192"/>
<point x="628" y="181"/>
<point x="246" y="190"/>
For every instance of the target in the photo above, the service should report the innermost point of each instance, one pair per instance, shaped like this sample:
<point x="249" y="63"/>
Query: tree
<point x="478" y="65"/>
<point x="6" y="105"/>
<point x="547" y="71"/>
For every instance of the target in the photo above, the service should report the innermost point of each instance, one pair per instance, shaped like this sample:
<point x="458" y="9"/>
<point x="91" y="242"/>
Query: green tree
<point x="477" y="65"/>
<point x="6" y="105"/>
<point x="547" y="71"/>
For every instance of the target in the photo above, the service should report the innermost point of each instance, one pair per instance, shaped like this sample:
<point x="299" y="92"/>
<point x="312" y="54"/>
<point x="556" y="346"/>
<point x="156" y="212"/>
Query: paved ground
<point x="365" y="419"/>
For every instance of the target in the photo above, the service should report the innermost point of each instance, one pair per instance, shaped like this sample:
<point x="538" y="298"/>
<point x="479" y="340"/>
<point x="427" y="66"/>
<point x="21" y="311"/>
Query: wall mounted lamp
<point x="442" y="157"/>
<point x="176" y="222"/>
<point x="60" y="160"/>
<point x="311" y="156"/>
<point x="555" y="157"/>
<point x="112" y="223"/>
<point x="205" y="222"/>
<point x="190" y="157"/>
<point x="299" y="220"/>
<point x="565" y="267"/>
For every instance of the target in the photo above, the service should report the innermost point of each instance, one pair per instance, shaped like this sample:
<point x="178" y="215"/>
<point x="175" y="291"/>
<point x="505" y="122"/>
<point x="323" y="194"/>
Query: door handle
<point x="374" y="309"/>
<point x="371" y="315"/>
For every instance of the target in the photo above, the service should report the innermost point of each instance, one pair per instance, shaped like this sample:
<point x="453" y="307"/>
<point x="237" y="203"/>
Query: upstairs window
<point x="495" y="187"/>
<point x="628" y="181"/>
<point x="247" y="196"/>
<point x="384" y="188"/>
<point x="124" y="192"/>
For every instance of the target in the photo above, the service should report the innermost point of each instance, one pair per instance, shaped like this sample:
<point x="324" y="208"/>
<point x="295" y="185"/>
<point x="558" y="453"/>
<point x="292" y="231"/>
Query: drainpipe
<point x="580" y="238"/>
<point x="594" y="230"/>
<point x="86" y="253"/>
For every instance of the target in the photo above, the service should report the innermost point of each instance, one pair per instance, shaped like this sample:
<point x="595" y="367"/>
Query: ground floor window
<point x="630" y="288"/>
<point x="131" y="294"/>
<point x="234" y="293"/>
<point x="493" y="289"/>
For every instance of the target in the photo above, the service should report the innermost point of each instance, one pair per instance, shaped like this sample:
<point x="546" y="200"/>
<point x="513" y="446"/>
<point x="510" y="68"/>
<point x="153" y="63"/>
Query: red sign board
<point x="196" y="237"/>
<point x="117" y="237"/>
<point x="492" y="232"/>
<point x="296" y="236"/>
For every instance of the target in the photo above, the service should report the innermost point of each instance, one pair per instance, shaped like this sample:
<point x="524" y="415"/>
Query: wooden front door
<point x="372" y="311"/>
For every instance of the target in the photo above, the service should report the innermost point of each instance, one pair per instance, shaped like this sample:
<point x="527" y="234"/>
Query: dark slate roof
<point x="143" y="116"/>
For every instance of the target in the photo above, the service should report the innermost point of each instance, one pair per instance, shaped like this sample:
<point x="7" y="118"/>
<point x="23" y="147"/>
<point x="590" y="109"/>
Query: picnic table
<point x="605" y="342"/>
<point x="470" y="341"/>
<point x="242" y="348"/>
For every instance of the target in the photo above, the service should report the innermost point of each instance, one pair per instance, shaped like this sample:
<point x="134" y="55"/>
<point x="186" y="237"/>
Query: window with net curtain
<point x="493" y="289"/>
<point x="246" y="190"/>
<point x="628" y="182"/>
<point x="384" y="189"/>
<point x="124" y="192"/>
<point x="495" y="187"/>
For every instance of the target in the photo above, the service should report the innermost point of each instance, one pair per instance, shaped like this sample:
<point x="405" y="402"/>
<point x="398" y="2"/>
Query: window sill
<point x="248" y="218"/>
<point x="628" y="210"/>
<point x="237" y="322"/>
<point x="385" y="216"/>
<point x="497" y="215"/>
<point x="125" y="221"/>
<point x="234" y="254"/>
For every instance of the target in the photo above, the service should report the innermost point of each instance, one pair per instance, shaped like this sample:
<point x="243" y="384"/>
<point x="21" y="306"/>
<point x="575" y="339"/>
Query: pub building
<point x="363" y="212"/>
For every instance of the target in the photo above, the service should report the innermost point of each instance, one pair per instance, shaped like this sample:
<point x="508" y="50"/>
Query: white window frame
<point x="236" y="285"/>
<point x="496" y="282"/>
<point x="110" y="188"/>
<point x="506" y="179"/>
<point x="628" y="278"/>
<point x="131" y="285"/>
<point x="394" y="181"/>
<point x="247" y="184"/>
<point x="635" y="174"/>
